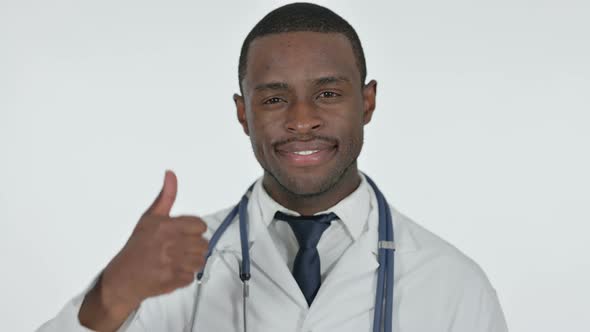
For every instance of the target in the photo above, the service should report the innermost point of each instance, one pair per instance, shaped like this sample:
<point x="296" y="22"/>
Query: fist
<point x="162" y="254"/>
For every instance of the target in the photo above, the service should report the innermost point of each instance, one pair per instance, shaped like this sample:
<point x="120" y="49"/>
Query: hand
<point x="162" y="254"/>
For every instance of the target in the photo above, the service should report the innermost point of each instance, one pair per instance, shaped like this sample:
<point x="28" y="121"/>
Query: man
<point x="304" y="105"/>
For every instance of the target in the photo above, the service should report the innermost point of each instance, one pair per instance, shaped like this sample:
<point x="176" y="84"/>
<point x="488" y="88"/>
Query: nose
<point x="303" y="118"/>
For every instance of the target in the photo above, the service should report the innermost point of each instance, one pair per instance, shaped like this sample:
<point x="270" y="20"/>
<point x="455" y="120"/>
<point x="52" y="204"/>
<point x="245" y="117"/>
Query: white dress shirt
<point x="436" y="287"/>
<point x="352" y="212"/>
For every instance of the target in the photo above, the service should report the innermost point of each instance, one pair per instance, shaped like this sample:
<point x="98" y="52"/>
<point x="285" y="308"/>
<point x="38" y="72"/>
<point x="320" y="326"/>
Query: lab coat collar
<point x="360" y="258"/>
<point x="405" y="241"/>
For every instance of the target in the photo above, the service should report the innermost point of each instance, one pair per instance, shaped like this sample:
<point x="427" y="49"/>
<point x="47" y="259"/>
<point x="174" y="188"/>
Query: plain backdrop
<point x="481" y="134"/>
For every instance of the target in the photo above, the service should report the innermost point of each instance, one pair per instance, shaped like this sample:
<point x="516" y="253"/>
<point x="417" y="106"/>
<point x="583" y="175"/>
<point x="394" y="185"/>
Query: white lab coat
<point x="436" y="287"/>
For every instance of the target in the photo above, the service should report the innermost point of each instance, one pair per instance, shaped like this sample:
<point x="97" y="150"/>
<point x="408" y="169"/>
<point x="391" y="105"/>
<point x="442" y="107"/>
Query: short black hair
<point x="302" y="16"/>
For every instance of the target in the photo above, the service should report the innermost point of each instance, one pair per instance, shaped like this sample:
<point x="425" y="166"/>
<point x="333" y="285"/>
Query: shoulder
<point x="432" y="268"/>
<point x="214" y="219"/>
<point x="428" y="251"/>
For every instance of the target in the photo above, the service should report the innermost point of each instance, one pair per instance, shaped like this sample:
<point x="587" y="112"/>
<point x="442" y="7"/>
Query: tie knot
<point x="307" y="229"/>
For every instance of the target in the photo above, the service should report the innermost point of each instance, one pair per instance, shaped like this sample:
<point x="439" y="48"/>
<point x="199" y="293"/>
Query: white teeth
<point x="305" y="153"/>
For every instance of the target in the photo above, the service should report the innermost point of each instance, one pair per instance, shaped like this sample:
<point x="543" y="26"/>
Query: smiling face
<point x="304" y="108"/>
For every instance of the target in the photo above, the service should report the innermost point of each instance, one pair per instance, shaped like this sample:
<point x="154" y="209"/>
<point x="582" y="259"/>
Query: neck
<point x="307" y="205"/>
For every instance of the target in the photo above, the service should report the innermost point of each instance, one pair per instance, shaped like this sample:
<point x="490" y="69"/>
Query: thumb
<point x="163" y="203"/>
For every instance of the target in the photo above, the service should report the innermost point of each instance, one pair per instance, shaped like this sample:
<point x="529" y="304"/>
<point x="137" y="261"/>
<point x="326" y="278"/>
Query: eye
<point x="273" y="100"/>
<point x="328" y="94"/>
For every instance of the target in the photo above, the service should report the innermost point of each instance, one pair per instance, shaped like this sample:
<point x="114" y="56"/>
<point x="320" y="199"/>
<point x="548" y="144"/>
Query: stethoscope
<point x="384" y="294"/>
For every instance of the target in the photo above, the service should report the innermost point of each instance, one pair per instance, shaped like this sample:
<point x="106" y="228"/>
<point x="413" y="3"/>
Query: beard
<point x="307" y="185"/>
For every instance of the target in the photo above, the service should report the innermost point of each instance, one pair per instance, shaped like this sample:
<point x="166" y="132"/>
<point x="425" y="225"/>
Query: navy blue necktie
<point x="308" y="231"/>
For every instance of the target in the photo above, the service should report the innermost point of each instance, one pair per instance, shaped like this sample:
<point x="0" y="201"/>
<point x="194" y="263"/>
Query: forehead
<point x="299" y="56"/>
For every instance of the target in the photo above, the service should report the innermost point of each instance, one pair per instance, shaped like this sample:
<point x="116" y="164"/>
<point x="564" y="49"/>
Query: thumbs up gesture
<point x="162" y="254"/>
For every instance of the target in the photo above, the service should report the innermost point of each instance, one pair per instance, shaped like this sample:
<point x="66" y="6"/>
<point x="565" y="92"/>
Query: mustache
<point x="306" y="138"/>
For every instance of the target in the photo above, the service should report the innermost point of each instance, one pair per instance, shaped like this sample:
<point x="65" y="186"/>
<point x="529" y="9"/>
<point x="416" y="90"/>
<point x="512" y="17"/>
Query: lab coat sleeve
<point x="67" y="319"/>
<point x="479" y="311"/>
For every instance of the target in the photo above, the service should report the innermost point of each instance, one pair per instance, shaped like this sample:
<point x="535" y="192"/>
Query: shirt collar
<point x="353" y="210"/>
<point x="262" y="208"/>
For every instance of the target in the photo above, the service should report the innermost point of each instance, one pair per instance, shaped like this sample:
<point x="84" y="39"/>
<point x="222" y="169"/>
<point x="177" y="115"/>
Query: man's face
<point x="304" y="109"/>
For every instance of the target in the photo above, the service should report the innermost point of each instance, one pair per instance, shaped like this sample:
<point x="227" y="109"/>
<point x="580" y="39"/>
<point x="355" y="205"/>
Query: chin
<point x="307" y="184"/>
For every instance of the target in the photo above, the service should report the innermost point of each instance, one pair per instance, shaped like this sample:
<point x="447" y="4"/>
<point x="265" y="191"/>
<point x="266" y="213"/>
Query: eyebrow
<point x="272" y="86"/>
<point x="282" y="86"/>
<point x="330" y="79"/>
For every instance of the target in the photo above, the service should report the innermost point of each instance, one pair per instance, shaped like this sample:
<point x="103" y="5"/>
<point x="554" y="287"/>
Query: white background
<point x="481" y="134"/>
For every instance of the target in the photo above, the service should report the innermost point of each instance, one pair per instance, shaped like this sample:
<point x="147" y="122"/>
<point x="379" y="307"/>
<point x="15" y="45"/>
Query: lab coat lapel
<point x="350" y="285"/>
<point x="268" y="269"/>
<point x="267" y="262"/>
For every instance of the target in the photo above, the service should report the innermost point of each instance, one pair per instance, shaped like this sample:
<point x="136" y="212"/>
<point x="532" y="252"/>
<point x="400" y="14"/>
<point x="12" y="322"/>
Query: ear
<point x="369" y="96"/>
<point x="241" y="112"/>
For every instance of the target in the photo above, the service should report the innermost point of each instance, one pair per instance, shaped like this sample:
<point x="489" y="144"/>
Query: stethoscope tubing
<point x="386" y="265"/>
<point x="385" y="273"/>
